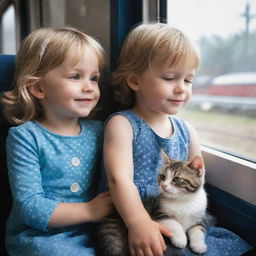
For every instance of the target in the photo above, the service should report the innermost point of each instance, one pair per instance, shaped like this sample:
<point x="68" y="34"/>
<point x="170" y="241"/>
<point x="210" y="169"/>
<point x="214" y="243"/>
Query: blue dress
<point x="147" y="160"/>
<point x="46" y="169"/>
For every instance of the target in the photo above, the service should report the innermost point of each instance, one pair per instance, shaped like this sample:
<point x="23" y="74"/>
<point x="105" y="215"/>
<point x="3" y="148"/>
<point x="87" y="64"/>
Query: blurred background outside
<point x="223" y="105"/>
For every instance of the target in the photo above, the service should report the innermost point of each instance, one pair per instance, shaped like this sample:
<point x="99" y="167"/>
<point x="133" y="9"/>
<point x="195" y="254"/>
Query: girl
<point x="52" y="154"/>
<point x="154" y="78"/>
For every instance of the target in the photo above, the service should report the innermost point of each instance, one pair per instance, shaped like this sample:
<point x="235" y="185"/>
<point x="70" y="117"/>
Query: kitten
<point x="180" y="206"/>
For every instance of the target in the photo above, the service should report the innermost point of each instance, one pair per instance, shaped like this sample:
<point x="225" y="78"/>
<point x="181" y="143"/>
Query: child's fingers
<point x="164" y="230"/>
<point x="140" y="252"/>
<point x="132" y="252"/>
<point x="148" y="252"/>
<point x="162" y="243"/>
<point x="144" y="252"/>
<point x="157" y="249"/>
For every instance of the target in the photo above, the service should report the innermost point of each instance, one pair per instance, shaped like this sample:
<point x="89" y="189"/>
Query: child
<point x="154" y="78"/>
<point x="52" y="154"/>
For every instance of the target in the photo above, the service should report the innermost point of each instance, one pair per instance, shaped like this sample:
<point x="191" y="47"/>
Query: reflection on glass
<point x="8" y="36"/>
<point x="223" y="108"/>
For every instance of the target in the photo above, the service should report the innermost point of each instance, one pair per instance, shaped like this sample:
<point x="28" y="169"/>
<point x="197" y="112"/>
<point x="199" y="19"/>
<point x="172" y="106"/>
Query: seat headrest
<point x="7" y="70"/>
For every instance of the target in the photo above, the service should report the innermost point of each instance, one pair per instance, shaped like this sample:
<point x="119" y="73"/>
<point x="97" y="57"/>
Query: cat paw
<point x="198" y="247"/>
<point x="179" y="241"/>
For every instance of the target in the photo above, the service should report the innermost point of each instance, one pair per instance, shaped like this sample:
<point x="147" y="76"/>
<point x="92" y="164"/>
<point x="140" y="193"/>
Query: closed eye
<point x="188" y="81"/>
<point x="168" y="78"/>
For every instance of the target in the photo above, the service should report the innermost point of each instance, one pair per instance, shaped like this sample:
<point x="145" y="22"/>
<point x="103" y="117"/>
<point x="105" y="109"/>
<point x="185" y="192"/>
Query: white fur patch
<point x="187" y="209"/>
<point x="197" y="240"/>
<point x="179" y="238"/>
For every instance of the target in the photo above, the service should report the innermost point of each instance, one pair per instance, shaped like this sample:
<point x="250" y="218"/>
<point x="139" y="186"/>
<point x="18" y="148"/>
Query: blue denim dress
<point x="46" y="169"/>
<point x="147" y="160"/>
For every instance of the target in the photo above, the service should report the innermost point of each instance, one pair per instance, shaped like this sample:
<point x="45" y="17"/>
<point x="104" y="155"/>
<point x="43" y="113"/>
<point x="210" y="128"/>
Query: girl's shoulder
<point x="25" y="127"/>
<point x="34" y="128"/>
<point x="93" y="125"/>
<point x="126" y="113"/>
<point x="27" y="132"/>
<point x="179" y="121"/>
<point x="130" y="122"/>
<point x="181" y="127"/>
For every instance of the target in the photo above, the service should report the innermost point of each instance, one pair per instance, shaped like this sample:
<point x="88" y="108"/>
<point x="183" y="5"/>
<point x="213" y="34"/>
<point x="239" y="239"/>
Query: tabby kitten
<point x="180" y="206"/>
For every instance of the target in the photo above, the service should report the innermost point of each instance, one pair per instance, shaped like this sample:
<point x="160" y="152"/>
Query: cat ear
<point x="197" y="164"/>
<point x="165" y="157"/>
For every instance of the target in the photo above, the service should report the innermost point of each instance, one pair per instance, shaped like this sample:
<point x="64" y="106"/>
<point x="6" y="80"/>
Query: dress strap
<point x="131" y="117"/>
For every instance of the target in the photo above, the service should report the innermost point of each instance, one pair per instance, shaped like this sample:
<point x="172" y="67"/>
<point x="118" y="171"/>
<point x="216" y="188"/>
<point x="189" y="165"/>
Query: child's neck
<point x="158" y="122"/>
<point x="62" y="127"/>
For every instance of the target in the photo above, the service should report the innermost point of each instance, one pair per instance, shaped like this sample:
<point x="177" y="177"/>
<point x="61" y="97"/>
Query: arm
<point x="144" y="234"/>
<point x="195" y="148"/>
<point x="67" y="214"/>
<point x="119" y="166"/>
<point x="25" y="179"/>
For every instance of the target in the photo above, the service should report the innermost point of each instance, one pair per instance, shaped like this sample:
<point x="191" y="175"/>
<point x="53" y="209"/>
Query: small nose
<point x="87" y="86"/>
<point x="179" y="87"/>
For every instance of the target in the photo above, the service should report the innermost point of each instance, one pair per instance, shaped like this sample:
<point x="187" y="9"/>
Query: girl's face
<point x="163" y="88"/>
<point x="71" y="90"/>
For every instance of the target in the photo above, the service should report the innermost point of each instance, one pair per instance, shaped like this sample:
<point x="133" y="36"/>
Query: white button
<point x="75" y="187"/>
<point x="75" y="161"/>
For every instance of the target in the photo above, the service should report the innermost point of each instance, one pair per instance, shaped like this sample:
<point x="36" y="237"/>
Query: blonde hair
<point x="145" y="44"/>
<point x="41" y="51"/>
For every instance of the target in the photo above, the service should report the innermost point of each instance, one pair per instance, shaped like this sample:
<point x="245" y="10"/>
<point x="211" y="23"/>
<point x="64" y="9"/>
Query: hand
<point x="100" y="206"/>
<point x="145" y="238"/>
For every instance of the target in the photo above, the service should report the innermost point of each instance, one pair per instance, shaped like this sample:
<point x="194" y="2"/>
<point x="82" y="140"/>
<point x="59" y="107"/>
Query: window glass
<point x="223" y="105"/>
<point x="8" y="33"/>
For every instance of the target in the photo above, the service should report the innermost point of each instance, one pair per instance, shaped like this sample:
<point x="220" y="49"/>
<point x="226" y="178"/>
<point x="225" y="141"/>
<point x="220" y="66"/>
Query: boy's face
<point x="71" y="89"/>
<point x="164" y="88"/>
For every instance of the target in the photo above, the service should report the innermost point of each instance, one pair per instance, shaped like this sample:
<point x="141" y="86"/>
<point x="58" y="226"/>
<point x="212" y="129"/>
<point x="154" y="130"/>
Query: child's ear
<point x="132" y="81"/>
<point x="36" y="90"/>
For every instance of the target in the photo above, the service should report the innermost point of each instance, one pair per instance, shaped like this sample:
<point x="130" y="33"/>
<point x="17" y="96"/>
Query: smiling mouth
<point x="83" y="100"/>
<point x="176" y="101"/>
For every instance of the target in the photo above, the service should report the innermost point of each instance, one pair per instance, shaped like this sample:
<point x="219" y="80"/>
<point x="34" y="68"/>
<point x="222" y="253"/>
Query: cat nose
<point x="164" y="185"/>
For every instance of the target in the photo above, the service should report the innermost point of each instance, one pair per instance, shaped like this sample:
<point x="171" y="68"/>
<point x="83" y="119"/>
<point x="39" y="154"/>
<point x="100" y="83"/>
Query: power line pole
<point x="248" y="18"/>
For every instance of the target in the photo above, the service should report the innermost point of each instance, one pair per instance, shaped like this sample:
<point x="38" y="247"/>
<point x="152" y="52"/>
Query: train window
<point x="223" y="106"/>
<point x="8" y="31"/>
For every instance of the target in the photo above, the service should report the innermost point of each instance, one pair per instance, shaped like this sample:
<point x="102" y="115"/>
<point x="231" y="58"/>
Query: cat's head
<point x="177" y="178"/>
